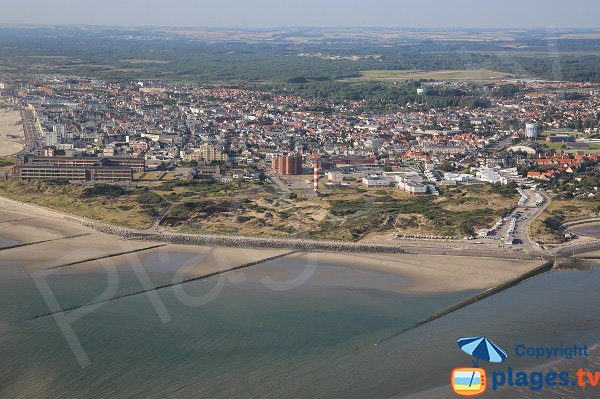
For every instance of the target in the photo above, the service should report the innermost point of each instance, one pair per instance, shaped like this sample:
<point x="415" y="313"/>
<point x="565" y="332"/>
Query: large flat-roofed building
<point x="414" y="188"/>
<point x="79" y="169"/>
<point x="135" y="164"/>
<point x="371" y="181"/>
<point x="288" y="165"/>
<point x="207" y="152"/>
<point x="114" y="174"/>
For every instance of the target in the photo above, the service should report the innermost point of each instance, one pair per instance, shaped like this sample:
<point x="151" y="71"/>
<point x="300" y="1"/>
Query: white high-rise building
<point x="532" y="131"/>
<point x="60" y="131"/>
<point x="51" y="138"/>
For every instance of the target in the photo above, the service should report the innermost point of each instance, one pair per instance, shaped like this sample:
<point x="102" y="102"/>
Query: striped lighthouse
<point x="317" y="168"/>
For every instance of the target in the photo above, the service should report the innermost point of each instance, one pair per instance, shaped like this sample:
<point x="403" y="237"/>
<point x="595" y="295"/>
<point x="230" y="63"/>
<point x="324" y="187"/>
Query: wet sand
<point x="422" y="273"/>
<point x="301" y="315"/>
<point x="11" y="132"/>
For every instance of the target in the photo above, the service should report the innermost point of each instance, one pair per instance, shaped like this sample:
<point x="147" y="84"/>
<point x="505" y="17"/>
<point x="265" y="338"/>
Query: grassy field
<point x="257" y="209"/>
<point x="563" y="147"/>
<point x="340" y="214"/>
<point x="568" y="132"/>
<point x="109" y="204"/>
<point x="447" y="75"/>
<point x="546" y="227"/>
<point x="7" y="163"/>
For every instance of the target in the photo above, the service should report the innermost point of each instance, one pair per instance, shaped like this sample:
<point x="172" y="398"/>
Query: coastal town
<point x="270" y="199"/>
<point x="540" y="140"/>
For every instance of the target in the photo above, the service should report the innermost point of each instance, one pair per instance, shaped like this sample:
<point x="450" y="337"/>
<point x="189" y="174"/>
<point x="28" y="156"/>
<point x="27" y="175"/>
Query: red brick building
<point x="288" y="165"/>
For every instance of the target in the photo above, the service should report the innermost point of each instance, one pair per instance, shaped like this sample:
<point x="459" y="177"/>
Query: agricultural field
<point x="476" y="75"/>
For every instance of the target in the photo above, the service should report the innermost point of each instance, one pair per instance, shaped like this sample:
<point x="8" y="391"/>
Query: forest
<point x="148" y="54"/>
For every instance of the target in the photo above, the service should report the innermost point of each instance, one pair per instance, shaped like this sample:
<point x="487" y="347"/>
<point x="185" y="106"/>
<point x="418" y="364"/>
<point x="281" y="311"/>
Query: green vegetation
<point x="199" y="190"/>
<point x="506" y="91"/>
<point x="291" y="57"/>
<point x="471" y="75"/>
<point x="6" y="163"/>
<point x="382" y="95"/>
<point x="252" y="209"/>
<point x="106" y="203"/>
<point x="507" y="190"/>
<point x="546" y="227"/>
<point x="442" y="217"/>
<point x="204" y="208"/>
<point x="104" y="190"/>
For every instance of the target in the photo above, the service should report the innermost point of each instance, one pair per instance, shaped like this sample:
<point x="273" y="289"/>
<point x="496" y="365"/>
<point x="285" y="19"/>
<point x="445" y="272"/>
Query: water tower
<point x="532" y="131"/>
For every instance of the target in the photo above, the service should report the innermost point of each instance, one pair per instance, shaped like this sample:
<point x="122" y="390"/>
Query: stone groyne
<point x="578" y="249"/>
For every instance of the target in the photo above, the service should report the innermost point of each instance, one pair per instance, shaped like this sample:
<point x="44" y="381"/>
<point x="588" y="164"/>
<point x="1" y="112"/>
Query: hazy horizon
<point x="324" y="27"/>
<point x="265" y="14"/>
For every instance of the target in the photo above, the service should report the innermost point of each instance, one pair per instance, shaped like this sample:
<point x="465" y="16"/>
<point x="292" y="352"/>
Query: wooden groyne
<point x="134" y="251"/>
<point x="161" y="287"/>
<point x="43" y="241"/>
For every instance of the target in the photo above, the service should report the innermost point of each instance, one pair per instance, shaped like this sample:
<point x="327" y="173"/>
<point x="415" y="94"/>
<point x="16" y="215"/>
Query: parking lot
<point x="514" y="226"/>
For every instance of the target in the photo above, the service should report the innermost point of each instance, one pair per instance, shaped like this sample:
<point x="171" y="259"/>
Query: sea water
<point x="325" y="338"/>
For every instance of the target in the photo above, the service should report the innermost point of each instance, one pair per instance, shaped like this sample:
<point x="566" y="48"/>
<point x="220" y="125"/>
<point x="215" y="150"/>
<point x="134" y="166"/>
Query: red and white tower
<point x="317" y="168"/>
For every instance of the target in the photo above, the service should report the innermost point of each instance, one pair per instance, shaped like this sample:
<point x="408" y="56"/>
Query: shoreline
<point x="542" y="269"/>
<point x="267" y="243"/>
<point x="90" y="245"/>
<point x="425" y="274"/>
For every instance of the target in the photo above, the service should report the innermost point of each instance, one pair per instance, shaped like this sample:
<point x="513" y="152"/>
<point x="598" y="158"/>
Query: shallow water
<point x="271" y="331"/>
<point x="243" y="336"/>
<point x="6" y="242"/>
<point x="591" y="229"/>
<point x="558" y="308"/>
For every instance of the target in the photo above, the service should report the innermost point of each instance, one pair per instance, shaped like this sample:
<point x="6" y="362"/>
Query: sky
<point x="318" y="13"/>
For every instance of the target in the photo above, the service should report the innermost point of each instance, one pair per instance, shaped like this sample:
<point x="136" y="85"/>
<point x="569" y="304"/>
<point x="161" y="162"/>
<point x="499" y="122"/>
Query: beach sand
<point x="29" y="224"/>
<point x="424" y="273"/>
<point x="420" y="273"/>
<point x="11" y="132"/>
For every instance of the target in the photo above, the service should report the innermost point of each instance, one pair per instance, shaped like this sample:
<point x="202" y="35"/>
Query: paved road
<point x="33" y="135"/>
<point x="524" y="216"/>
<point x="273" y="178"/>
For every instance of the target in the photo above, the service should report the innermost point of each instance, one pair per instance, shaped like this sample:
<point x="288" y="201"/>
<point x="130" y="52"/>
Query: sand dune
<point x="423" y="273"/>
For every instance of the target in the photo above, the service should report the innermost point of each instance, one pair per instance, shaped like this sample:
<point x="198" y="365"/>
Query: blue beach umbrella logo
<point x="482" y="348"/>
<point x="472" y="381"/>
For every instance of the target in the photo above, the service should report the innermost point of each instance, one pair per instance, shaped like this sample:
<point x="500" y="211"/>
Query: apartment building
<point x="288" y="165"/>
<point x="135" y="164"/>
<point x="80" y="169"/>
<point x="109" y="174"/>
